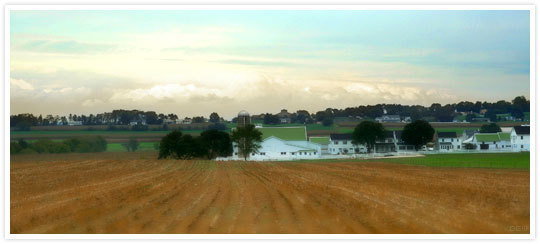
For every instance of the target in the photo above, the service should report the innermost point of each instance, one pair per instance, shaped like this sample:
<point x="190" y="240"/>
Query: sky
<point x="197" y="62"/>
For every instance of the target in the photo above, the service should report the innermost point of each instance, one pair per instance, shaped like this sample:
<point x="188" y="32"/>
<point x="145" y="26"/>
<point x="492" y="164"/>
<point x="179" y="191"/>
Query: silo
<point x="243" y="119"/>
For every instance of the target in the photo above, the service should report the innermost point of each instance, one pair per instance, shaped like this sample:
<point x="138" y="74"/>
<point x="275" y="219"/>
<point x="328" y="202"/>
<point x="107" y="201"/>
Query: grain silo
<point x="243" y="119"/>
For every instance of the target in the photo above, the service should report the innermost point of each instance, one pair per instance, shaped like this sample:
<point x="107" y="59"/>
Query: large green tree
<point x="247" y="139"/>
<point x="216" y="143"/>
<point x="368" y="132"/>
<point x="417" y="133"/>
<point x="490" y="128"/>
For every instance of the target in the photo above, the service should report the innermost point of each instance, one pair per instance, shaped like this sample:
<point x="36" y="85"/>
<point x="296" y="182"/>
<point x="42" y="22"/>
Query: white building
<point x="342" y="144"/>
<point x="492" y="141"/>
<point x="283" y="143"/>
<point x="520" y="138"/>
<point x="388" y="118"/>
<point x="448" y="141"/>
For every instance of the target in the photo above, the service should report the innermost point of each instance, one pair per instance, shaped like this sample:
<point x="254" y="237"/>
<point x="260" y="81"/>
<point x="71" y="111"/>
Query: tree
<point x="247" y="138"/>
<point x="132" y="145"/>
<point x="214" y="117"/>
<point x="327" y="121"/>
<point x="470" y="117"/>
<point x="216" y="143"/>
<point x="197" y="119"/>
<point x="521" y="103"/>
<point x="490" y="128"/>
<point x="368" y="132"/>
<point x="169" y="144"/>
<point x="179" y="146"/>
<point x="271" y="119"/>
<point x="417" y="133"/>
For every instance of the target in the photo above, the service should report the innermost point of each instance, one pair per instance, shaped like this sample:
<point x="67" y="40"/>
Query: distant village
<point x="287" y="143"/>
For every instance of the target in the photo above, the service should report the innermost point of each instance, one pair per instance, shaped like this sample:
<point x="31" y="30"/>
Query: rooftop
<point x="284" y="133"/>
<point x="341" y="136"/>
<point x="323" y="140"/>
<point x="522" y="130"/>
<point x="447" y="135"/>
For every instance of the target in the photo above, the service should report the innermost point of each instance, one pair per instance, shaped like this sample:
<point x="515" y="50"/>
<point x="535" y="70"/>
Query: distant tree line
<point x="77" y="144"/>
<point x="436" y="112"/>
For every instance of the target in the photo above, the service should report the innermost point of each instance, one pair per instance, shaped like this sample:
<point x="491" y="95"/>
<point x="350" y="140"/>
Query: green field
<point x="117" y="147"/>
<point x="457" y="160"/>
<point x="468" y="160"/>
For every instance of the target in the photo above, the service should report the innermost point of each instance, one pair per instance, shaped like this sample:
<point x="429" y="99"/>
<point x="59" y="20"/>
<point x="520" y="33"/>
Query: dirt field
<point x="134" y="193"/>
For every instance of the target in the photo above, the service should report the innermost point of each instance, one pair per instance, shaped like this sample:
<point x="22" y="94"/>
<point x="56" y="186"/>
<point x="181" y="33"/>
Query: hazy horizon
<point x="193" y="63"/>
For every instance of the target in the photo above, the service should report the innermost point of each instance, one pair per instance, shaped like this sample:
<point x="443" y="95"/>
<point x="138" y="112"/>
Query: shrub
<point x="14" y="148"/>
<point x="132" y="145"/>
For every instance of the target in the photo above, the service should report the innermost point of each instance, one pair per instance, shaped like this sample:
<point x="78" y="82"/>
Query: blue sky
<point x="195" y="62"/>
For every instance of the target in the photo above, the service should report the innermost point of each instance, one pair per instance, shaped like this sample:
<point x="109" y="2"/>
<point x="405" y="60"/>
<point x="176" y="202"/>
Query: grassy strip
<point x="468" y="160"/>
<point x="143" y="146"/>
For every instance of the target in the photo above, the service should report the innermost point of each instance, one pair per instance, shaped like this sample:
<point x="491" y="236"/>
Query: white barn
<point x="520" y="138"/>
<point x="283" y="143"/>
<point x="499" y="141"/>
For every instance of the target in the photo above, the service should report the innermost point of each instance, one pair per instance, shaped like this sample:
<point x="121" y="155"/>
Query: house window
<point x="292" y="153"/>
<point x="336" y="142"/>
<point x="283" y="153"/>
<point x="235" y="153"/>
<point x="344" y="142"/>
<point x="521" y="146"/>
<point x="521" y="137"/>
<point x="442" y="139"/>
<point x="253" y="154"/>
<point x="314" y="153"/>
<point x="452" y="140"/>
<point x="494" y="142"/>
<point x="458" y="147"/>
<point x="263" y="153"/>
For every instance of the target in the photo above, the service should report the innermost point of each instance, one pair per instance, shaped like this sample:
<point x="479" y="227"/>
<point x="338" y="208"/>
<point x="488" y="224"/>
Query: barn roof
<point x="284" y="133"/>
<point x="323" y="140"/>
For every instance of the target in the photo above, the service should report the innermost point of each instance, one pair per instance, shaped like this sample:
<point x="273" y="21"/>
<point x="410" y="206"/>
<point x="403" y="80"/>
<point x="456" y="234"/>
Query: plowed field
<point x="136" y="195"/>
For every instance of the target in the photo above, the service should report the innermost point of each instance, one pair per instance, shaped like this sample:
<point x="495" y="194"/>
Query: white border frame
<point x="8" y="8"/>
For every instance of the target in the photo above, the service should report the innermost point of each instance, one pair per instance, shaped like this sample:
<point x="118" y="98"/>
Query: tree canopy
<point x="216" y="143"/>
<point x="368" y="132"/>
<point x="417" y="133"/>
<point x="247" y="139"/>
<point x="490" y="128"/>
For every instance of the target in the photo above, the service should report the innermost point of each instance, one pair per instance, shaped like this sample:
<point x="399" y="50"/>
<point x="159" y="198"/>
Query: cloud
<point x="64" y="46"/>
<point x="92" y="102"/>
<point x="21" y="84"/>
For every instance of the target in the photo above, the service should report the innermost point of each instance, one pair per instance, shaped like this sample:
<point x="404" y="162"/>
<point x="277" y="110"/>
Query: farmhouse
<point x="492" y="141"/>
<point x="284" y="143"/>
<point x="448" y="141"/>
<point x="520" y="138"/>
<point x="392" y="143"/>
<point x="284" y="117"/>
<point x="342" y="144"/>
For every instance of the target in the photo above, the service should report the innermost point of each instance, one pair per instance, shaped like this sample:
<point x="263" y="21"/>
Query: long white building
<point x="283" y="143"/>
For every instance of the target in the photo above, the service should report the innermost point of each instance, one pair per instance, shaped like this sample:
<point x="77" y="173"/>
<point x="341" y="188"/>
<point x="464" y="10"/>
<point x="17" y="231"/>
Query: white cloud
<point x="21" y="84"/>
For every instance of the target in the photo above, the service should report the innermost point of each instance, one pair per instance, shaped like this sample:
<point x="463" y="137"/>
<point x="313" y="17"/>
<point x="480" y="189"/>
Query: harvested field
<point x="134" y="193"/>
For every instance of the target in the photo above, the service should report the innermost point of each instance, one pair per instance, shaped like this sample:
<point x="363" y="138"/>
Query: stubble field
<point x="134" y="193"/>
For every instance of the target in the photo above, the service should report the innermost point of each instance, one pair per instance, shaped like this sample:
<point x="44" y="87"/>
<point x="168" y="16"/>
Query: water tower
<point x="243" y="119"/>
